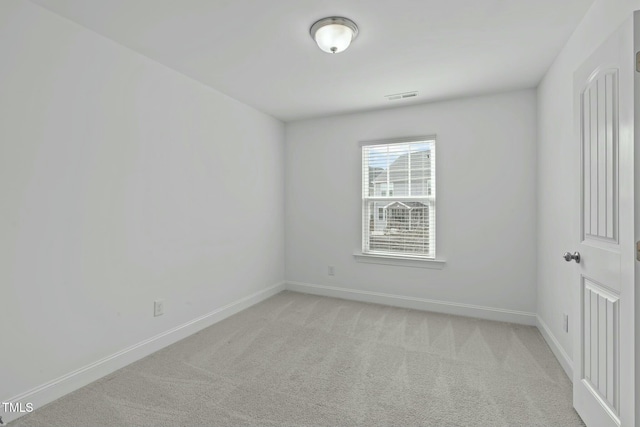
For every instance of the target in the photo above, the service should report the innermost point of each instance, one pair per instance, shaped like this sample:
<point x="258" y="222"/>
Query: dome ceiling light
<point x="334" y="34"/>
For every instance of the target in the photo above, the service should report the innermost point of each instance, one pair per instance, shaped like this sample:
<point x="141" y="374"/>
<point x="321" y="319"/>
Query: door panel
<point x="601" y="342"/>
<point x="600" y="148"/>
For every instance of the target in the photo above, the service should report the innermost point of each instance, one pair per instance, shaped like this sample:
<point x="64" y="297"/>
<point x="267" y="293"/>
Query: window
<point x="398" y="182"/>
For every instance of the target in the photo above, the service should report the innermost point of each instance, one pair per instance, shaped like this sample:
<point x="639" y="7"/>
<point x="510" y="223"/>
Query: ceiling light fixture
<point x="334" y="34"/>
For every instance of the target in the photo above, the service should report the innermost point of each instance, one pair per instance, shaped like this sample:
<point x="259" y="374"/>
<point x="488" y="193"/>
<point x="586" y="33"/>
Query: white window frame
<point x="399" y="258"/>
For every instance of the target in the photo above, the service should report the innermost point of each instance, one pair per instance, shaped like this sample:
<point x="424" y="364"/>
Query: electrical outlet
<point x="158" y="308"/>
<point x="331" y="270"/>
<point x="565" y="322"/>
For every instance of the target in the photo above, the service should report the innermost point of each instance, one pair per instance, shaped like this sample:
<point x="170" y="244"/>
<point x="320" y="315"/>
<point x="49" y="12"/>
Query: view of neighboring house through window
<point x="398" y="197"/>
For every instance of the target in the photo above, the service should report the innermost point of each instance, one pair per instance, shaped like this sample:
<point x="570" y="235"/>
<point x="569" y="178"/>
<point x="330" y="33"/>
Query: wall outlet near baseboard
<point x="565" y="322"/>
<point x="158" y="308"/>
<point x="331" y="270"/>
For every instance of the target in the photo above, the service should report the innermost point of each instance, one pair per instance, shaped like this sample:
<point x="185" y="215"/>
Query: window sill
<point x="437" y="264"/>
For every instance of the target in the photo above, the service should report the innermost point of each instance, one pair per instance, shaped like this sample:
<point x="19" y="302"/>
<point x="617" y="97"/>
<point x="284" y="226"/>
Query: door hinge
<point x="638" y="61"/>
<point x="638" y="250"/>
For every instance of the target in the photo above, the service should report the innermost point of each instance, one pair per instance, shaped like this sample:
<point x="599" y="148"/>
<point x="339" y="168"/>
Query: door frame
<point x="636" y="130"/>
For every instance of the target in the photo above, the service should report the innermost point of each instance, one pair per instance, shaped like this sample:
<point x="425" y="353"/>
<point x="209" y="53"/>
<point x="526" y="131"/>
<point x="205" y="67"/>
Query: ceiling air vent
<point x="404" y="95"/>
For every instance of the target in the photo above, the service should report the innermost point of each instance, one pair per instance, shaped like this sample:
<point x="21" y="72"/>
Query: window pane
<point x="404" y="175"/>
<point x="402" y="228"/>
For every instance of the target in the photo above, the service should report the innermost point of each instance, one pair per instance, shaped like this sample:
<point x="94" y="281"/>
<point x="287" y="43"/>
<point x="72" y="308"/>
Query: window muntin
<point x="398" y="198"/>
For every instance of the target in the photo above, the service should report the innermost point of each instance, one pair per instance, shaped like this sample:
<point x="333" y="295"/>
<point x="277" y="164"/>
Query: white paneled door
<point x="603" y="258"/>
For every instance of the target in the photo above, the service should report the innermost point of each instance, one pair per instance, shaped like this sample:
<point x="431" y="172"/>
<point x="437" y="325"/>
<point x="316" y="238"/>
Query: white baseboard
<point x="556" y="348"/>
<point x="459" y="309"/>
<point x="46" y="393"/>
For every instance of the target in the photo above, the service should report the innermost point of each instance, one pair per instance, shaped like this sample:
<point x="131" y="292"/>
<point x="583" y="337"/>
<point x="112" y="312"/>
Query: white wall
<point x="121" y="181"/>
<point x="486" y="203"/>
<point x="558" y="168"/>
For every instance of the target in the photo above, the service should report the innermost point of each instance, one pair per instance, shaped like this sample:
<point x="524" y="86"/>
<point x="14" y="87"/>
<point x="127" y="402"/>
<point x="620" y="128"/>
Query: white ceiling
<point x="260" y="51"/>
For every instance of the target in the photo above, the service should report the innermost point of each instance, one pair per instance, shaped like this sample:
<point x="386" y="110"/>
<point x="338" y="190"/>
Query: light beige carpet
<point x="303" y="360"/>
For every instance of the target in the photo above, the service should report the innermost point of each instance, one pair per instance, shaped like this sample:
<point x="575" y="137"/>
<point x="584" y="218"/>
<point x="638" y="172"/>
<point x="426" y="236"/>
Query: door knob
<point x="575" y="256"/>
